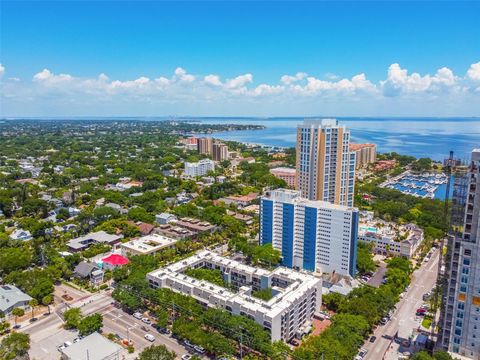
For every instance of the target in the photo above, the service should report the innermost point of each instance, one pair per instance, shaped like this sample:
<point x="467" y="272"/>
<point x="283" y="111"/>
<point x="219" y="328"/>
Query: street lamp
<point x="128" y="334"/>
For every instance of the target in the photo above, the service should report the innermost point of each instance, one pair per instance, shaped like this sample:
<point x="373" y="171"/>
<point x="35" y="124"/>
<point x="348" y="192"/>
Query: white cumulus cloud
<point x="176" y="89"/>
<point x="289" y="79"/>
<point x="239" y="81"/>
<point x="473" y="72"/>
<point x="182" y="75"/>
<point x="47" y="76"/>
<point x="212" y="80"/>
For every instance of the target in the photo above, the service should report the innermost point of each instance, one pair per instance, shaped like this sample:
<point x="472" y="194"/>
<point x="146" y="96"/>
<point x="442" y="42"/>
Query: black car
<point x="373" y="338"/>
<point x="162" y="330"/>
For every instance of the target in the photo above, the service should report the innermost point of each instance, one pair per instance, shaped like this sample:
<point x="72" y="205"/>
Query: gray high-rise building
<point x="460" y="316"/>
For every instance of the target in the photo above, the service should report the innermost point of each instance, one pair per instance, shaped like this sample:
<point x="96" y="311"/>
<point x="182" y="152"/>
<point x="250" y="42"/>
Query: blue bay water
<point x="419" y="137"/>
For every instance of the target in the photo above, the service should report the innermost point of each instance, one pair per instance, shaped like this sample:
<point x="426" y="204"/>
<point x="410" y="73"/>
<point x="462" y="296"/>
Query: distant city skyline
<point x="199" y="58"/>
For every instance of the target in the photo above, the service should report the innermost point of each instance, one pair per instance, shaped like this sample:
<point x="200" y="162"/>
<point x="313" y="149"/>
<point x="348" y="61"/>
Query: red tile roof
<point x="115" y="259"/>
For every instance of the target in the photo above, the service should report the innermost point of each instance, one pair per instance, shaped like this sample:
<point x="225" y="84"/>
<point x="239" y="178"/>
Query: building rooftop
<point x="92" y="347"/>
<point x="149" y="244"/>
<point x="98" y="237"/>
<point x="115" y="259"/>
<point x="360" y="146"/>
<point x="10" y="295"/>
<point x="194" y="224"/>
<point x="290" y="171"/>
<point x="293" y="196"/>
<point x="298" y="282"/>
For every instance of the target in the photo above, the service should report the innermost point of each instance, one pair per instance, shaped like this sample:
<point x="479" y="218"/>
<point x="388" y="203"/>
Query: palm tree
<point x="47" y="300"/>
<point x="33" y="303"/>
<point x="17" y="312"/>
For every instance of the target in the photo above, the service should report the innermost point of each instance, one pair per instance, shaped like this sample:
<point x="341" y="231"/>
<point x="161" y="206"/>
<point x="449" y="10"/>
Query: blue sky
<point x="133" y="44"/>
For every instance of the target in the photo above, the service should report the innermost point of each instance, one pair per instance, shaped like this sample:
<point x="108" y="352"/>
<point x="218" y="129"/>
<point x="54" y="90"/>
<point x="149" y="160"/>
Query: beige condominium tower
<point x="325" y="165"/>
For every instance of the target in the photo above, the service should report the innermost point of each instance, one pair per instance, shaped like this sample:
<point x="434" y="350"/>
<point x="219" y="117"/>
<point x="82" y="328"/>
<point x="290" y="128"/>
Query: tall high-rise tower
<point x="460" y="317"/>
<point x="325" y="165"/>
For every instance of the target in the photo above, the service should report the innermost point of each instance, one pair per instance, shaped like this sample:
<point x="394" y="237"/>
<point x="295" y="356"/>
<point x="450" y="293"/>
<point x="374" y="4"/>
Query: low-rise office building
<point x="147" y="245"/>
<point x="296" y="295"/>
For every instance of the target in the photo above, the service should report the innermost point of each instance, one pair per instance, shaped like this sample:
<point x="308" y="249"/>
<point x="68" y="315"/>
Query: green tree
<point x="140" y="214"/>
<point x="72" y="318"/>
<point x="422" y="355"/>
<point x="15" y="345"/>
<point x="264" y="294"/>
<point x="33" y="304"/>
<point x="90" y="324"/>
<point x="159" y="352"/>
<point x="47" y="301"/>
<point x="442" y="355"/>
<point x="332" y="300"/>
<point x="12" y="259"/>
<point x="162" y="317"/>
<point x="17" y="312"/>
<point x="365" y="263"/>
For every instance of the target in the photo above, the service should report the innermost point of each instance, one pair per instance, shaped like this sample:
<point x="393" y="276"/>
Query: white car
<point x="186" y="357"/>
<point x="146" y="321"/>
<point x="137" y="315"/>
<point x="149" y="337"/>
<point x="199" y="349"/>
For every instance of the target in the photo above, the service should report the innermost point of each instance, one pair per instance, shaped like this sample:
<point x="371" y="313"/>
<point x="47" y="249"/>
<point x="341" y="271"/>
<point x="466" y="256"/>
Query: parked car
<point x="421" y="310"/>
<point x="362" y="352"/>
<point x="199" y="349"/>
<point x="162" y="330"/>
<point x="146" y="320"/>
<point x="64" y="345"/>
<point x="149" y="337"/>
<point x="188" y="343"/>
<point x="372" y="339"/>
<point x="186" y="357"/>
<point x="137" y="315"/>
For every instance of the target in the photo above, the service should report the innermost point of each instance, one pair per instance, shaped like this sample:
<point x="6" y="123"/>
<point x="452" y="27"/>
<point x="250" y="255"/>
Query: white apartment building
<point x="325" y="165"/>
<point x="296" y="295"/>
<point x="144" y="245"/>
<point x="311" y="235"/>
<point x="200" y="168"/>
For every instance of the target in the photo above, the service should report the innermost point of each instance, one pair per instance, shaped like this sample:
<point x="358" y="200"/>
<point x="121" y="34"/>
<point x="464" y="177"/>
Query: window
<point x="466" y="261"/>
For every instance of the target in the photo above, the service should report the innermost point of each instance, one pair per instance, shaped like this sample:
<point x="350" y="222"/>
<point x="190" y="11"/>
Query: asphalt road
<point x="48" y="333"/>
<point x="404" y="320"/>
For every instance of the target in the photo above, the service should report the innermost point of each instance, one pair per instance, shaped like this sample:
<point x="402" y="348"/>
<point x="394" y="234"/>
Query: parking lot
<point x="48" y="334"/>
